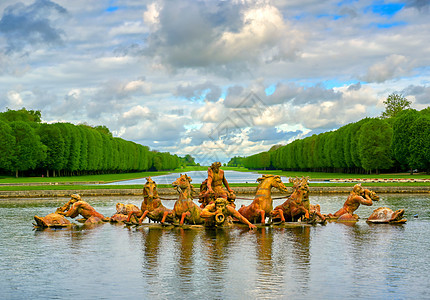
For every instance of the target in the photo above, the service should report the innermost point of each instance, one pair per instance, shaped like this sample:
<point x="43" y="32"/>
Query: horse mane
<point x="193" y="191"/>
<point x="262" y="179"/>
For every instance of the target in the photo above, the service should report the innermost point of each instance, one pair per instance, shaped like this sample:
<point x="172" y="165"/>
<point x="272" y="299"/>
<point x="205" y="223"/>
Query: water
<point x="200" y="176"/>
<point x="335" y="261"/>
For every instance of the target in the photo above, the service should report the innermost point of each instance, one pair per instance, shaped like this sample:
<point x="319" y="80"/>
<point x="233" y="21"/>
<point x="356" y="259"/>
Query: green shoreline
<point x="248" y="191"/>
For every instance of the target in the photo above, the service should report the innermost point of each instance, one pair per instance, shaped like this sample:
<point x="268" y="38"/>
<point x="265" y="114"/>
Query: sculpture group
<point x="217" y="205"/>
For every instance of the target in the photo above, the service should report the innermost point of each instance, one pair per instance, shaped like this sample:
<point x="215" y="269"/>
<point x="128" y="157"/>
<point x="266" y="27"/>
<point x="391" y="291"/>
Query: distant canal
<point x="336" y="261"/>
<point x="199" y="177"/>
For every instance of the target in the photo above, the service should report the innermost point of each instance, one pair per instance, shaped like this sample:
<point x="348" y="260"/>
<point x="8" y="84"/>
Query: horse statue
<point x="151" y="205"/>
<point x="185" y="209"/>
<point x="262" y="204"/>
<point x="293" y="208"/>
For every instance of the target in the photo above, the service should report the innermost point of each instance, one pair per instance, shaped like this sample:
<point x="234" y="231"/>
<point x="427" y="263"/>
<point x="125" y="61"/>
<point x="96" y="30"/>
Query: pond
<point x="199" y="176"/>
<point x="338" y="260"/>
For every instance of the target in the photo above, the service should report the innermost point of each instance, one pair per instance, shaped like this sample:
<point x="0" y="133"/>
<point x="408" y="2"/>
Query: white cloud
<point x="393" y="66"/>
<point x="170" y="74"/>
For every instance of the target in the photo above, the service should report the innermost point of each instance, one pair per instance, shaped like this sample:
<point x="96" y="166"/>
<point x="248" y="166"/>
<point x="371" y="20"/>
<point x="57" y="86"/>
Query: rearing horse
<point x="151" y="205"/>
<point x="293" y="208"/>
<point x="185" y="209"/>
<point x="263" y="203"/>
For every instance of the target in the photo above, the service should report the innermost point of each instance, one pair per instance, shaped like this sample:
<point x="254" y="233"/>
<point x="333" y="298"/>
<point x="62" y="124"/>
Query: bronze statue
<point x="205" y="197"/>
<point x="122" y="212"/>
<point x="217" y="214"/>
<point x="51" y="220"/>
<point x="262" y="205"/>
<point x="356" y="197"/>
<point x="185" y="209"/>
<point x="215" y="182"/>
<point x="293" y="208"/>
<point x="386" y="215"/>
<point x="151" y="206"/>
<point x="80" y="207"/>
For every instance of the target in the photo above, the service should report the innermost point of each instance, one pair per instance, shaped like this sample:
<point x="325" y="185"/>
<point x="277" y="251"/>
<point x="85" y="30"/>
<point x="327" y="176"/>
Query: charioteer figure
<point x="216" y="180"/>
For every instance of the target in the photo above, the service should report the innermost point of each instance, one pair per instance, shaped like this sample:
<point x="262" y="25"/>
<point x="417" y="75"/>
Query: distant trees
<point x="27" y="145"/>
<point x="374" y="143"/>
<point x="369" y="145"/>
<point x="419" y="148"/>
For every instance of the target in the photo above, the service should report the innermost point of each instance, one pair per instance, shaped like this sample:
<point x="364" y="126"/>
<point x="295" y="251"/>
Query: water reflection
<point x="339" y="260"/>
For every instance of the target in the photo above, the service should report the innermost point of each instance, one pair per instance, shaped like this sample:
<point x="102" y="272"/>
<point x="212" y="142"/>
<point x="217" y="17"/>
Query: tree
<point x="419" y="147"/>
<point x="394" y="104"/>
<point x="29" y="151"/>
<point x="50" y="136"/>
<point x="22" y="115"/>
<point x="402" y="136"/>
<point x="7" y="144"/>
<point x="374" y="143"/>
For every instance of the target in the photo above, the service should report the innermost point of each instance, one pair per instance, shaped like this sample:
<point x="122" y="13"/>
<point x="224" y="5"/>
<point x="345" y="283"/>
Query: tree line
<point x="30" y="147"/>
<point x="397" y="141"/>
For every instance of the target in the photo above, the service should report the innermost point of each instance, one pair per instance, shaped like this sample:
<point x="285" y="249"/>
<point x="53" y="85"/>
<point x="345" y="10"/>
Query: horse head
<point x="273" y="181"/>
<point x="150" y="189"/>
<point x="183" y="184"/>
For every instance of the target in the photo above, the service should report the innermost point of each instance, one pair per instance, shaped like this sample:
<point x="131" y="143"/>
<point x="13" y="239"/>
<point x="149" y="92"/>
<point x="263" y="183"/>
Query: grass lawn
<point x="63" y="183"/>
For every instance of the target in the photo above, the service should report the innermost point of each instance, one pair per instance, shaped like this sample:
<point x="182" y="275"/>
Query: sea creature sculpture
<point x="387" y="215"/>
<point x="51" y="220"/>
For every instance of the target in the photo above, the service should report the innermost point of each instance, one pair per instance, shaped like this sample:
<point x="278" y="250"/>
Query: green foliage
<point x="374" y="144"/>
<point x="50" y="136"/>
<point x="419" y="147"/>
<point x="402" y="136"/>
<point x="67" y="149"/>
<point x="21" y="115"/>
<point x="364" y="146"/>
<point x="394" y="104"/>
<point x="236" y="161"/>
<point x="188" y="160"/>
<point x="7" y="145"/>
<point x="28" y="151"/>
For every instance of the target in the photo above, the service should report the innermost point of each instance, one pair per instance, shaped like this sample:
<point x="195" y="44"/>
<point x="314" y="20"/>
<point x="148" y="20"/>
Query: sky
<point x="214" y="79"/>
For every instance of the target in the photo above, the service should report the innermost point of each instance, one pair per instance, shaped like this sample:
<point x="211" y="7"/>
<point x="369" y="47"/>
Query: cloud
<point x="33" y="24"/>
<point x="206" y="90"/>
<point x="271" y="135"/>
<point x="420" y="93"/>
<point x="393" y="66"/>
<point x="219" y="36"/>
<point x="137" y="113"/>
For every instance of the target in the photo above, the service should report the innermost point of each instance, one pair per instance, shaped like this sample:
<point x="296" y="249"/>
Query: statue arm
<point x="73" y="211"/>
<point x="224" y="180"/>
<point x="61" y="210"/>
<point x="366" y="200"/>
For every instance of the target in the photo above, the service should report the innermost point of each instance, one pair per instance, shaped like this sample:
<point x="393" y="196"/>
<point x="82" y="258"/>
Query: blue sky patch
<point x="386" y="9"/>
